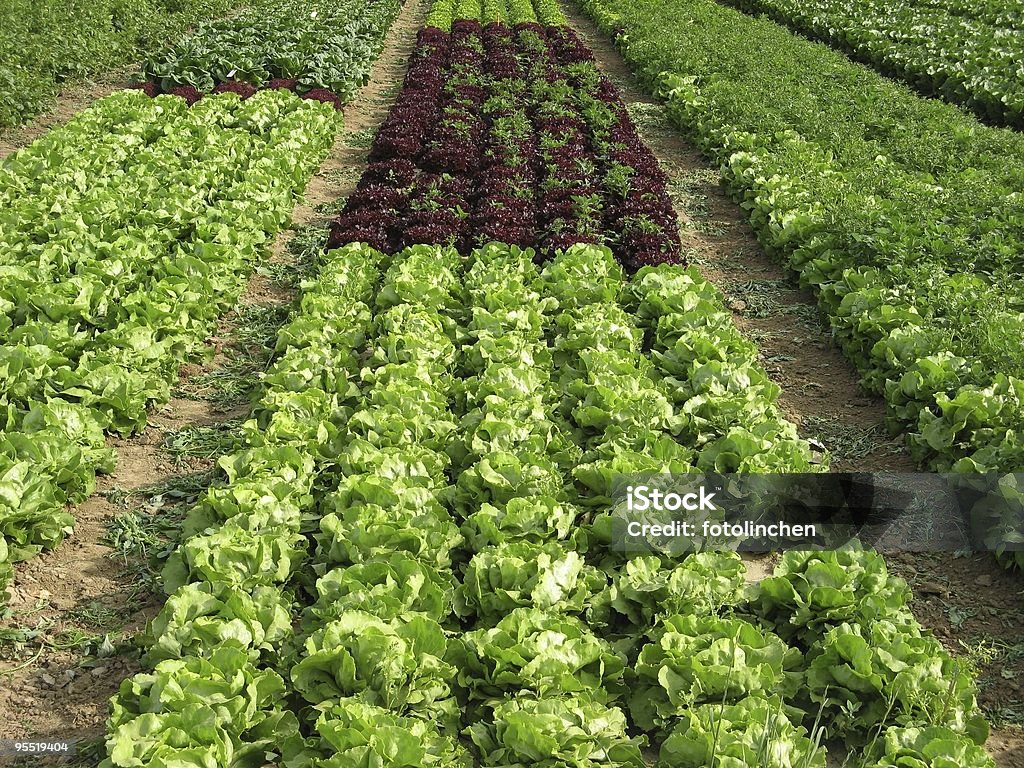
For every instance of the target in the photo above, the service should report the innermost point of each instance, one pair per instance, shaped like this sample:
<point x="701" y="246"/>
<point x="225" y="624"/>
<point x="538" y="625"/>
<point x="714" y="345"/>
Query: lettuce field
<point x="327" y="342"/>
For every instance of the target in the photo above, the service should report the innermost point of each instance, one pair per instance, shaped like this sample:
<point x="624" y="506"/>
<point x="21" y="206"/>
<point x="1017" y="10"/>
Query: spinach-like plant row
<point x="325" y="45"/>
<point x="965" y="55"/>
<point x="412" y="546"/>
<point x="46" y="45"/>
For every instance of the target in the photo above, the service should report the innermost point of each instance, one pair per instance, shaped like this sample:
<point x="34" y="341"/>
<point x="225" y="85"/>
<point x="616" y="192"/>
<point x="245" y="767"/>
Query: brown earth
<point x="972" y="604"/>
<point x="975" y="607"/>
<point x="53" y="686"/>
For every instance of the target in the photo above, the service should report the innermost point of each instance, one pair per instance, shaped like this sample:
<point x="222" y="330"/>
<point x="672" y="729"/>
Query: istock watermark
<point x="641" y="498"/>
<point x="892" y="512"/>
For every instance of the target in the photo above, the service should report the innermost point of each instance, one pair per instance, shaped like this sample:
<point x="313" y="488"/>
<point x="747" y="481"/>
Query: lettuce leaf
<point x="884" y="673"/>
<point x="367" y="736"/>
<point x="928" y="747"/>
<point x="500" y="578"/>
<point x="538" y="650"/>
<point x="388" y="589"/>
<point x="693" y="660"/>
<point x="555" y="732"/>
<point x="753" y="732"/>
<point x="812" y="592"/>
<point x="397" y="664"/>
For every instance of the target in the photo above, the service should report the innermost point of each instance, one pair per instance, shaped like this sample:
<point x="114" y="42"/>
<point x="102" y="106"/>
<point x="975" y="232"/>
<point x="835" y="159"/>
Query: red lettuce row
<point x="191" y="94"/>
<point x="510" y="134"/>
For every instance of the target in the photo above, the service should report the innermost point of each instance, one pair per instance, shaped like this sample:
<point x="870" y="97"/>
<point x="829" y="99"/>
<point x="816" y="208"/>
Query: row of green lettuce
<point x="325" y="44"/>
<point x="412" y="547"/>
<point x="45" y="43"/>
<point x="903" y="213"/>
<point x="695" y="660"/>
<point x="966" y="58"/>
<point x="512" y="12"/>
<point x="123" y="236"/>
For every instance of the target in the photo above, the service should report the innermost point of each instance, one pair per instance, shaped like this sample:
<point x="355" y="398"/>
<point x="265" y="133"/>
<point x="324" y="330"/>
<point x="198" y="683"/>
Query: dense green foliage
<point x="125" y="234"/>
<point x="323" y="44"/>
<point x="444" y="12"/>
<point x="407" y="560"/>
<point x="966" y="54"/>
<point x="44" y="43"/>
<point x="934" y="747"/>
<point x="365" y="462"/>
<point x="904" y="213"/>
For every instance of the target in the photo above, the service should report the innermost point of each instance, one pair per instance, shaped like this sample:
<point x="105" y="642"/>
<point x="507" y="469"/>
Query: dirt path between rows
<point x="971" y="604"/>
<point x="56" y="672"/>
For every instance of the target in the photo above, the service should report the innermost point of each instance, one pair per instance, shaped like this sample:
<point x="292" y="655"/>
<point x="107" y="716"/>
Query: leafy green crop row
<point x="328" y="44"/>
<point x="964" y="58"/>
<point x="444" y="12"/>
<point x="46" y="42"/>
<point x="124" y="235"/>
<point x="903" y="212"/>
<point x="411" y="544"/>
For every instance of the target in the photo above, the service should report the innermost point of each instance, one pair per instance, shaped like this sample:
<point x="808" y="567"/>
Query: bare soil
<point x="51" y="691"/>
<point x="973" y="605"/>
